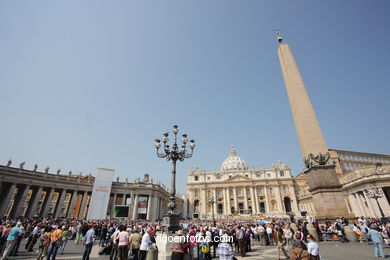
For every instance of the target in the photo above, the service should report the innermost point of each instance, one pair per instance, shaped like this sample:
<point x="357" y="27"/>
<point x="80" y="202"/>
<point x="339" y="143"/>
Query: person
<point x="12" y="239"/>
<point x="15" y="249"/>
<point x="114" y="250"/>
<point x="135" y="242"/>
<point x="377" y="239"/>
<point x="280" y="243"/>
<point x="55" y="243"/>
<point x="179" y="247"/>
<point x="288" y="235"/>
<point x="312" y="248"/>
<point x="299" y="249"/>
<point x="145" y="244"/>
<point x="261" y="231"/>
<point x="4" y="235"/>
<point x="123" y="243"/>
<point x="269" y="232"/>
<point x="65" y="236"/>
<point x="240" y="233"/>
<point x="34" y="237"/>
<point x="103" y="236"/>
<point x="225" y="250"/>
<point x="44" y="243"/>
<point x="247" y="240"/>
<point x="89" y="238"/>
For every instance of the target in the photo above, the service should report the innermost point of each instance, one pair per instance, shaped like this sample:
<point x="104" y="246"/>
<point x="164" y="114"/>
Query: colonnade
<point x="362" y="205"/>
<point x="23" y="200"/>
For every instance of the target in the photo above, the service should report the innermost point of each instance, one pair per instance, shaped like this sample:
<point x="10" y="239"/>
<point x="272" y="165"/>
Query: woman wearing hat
<point x="179" y="246"/>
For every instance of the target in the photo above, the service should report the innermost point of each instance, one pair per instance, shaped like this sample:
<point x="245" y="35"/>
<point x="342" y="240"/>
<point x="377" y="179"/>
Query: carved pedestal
<point x="171" y="223"/>
<point x="325" y="187"/>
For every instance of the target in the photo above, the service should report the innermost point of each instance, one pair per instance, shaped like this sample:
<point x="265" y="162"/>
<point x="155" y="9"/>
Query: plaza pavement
<point x="329" y="251"/>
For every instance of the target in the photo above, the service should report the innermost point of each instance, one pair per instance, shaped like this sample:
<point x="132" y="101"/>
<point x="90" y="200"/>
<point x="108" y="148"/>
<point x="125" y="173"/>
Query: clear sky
<point x="87" y="84"/>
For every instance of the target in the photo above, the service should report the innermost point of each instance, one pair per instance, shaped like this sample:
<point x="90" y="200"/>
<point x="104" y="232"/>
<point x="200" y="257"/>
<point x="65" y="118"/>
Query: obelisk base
<point x="325" y="188"/>
<point x="171" y="223"/>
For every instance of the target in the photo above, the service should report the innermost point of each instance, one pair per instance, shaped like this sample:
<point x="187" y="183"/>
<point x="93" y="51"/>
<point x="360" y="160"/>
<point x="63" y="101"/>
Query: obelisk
<point x="322" y="178"/>
<point x="308" y="130"/>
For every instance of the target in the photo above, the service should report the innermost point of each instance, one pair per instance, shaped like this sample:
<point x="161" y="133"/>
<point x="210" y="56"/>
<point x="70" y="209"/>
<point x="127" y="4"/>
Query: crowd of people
<point x="124" y="239"/>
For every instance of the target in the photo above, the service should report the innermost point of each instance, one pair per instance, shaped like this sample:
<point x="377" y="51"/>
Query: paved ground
<point x="329" y="251"/>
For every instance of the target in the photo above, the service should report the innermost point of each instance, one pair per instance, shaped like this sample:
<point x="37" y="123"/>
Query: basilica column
<point x="384" y="204"/>
<point x="235" y="199"/>
<point x="253" y="200"/>
<point x="47" y="202"/>
<point x="83" y="203"/>
<point x="113" y="205"/>
<point x="135" y="215"/>
<point x="362" y="208"/>
<point x="150" y="206"/>
<point x="60" y="202"/>
<point x="216" y="202"/>
<point x="7" y="199"/>
<point x="71" y="205"/>
<point x="35" y="197"/>
<point x="354" y="206"/>
<point x="203" y="202"/>
<point x="256" y="200"/>
<point x="228" y="207"/>
<point x="279" y="199"/>
<point x="267" y="202"/>
<point x="374" y="211"/>
<point x="131" y="205"/>
<point x="18" y="203"/>
<point x="245" y="201"/>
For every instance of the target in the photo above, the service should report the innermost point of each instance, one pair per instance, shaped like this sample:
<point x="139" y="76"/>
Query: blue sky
<point x="87" y="84"/>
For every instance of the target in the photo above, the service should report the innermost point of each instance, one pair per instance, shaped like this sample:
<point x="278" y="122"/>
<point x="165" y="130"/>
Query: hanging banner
<point x="142" y="205"/>
<point x="100" y="194"/>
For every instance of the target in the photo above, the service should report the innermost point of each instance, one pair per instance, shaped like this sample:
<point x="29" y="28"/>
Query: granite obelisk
<point x="323" y="180"/>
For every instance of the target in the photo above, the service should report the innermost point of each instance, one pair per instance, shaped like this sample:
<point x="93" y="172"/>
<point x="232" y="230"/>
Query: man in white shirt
<point x="313" y="249"/>
<point x="145" y="244"/>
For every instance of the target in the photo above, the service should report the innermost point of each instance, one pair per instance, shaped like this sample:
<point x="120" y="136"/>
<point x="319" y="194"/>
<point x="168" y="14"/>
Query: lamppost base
<point x="171" y="223"/>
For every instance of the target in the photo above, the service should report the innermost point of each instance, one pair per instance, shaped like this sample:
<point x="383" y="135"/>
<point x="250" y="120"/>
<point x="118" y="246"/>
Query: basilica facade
<point x="238" y="189"/>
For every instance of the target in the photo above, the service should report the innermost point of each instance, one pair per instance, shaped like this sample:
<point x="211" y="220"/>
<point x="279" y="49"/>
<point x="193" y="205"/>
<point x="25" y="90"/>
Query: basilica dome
<point x="233" y="162"/>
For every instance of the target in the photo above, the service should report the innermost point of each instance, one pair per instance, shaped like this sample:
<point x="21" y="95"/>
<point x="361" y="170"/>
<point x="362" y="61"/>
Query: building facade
<point x="238" y="189"/>
<point x="30" y="193"/>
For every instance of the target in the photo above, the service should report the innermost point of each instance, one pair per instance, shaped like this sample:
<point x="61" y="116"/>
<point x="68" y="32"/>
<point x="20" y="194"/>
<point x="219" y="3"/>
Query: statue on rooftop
<point x="22" y="165"/>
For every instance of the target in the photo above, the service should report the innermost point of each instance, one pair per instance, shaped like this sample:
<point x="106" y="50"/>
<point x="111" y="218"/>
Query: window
<point x="196" y="178"/>
<point x="208" y="178"/>
<point x="220" y="209"/>
<point x="262" y="207"/>
<point x="281" y="174"/>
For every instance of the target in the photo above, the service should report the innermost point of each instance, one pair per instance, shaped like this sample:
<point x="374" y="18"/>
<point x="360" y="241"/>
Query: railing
<point x="365" y="172"/>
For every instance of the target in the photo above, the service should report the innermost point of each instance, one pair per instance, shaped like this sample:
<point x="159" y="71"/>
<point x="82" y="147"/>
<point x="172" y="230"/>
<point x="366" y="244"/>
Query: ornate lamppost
<point x="174" y="154"/>
<point x="375" y="193"/>
<point x="212" y="202"/>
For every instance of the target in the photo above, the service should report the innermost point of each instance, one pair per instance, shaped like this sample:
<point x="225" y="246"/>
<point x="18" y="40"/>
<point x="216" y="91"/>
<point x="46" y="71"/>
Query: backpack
<point x="299" y="257"/>
<point x="205" y="248"/>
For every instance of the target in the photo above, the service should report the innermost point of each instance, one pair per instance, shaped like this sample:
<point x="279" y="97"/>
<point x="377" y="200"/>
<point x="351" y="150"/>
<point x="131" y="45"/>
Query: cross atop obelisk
<point x="308" y="130"/>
